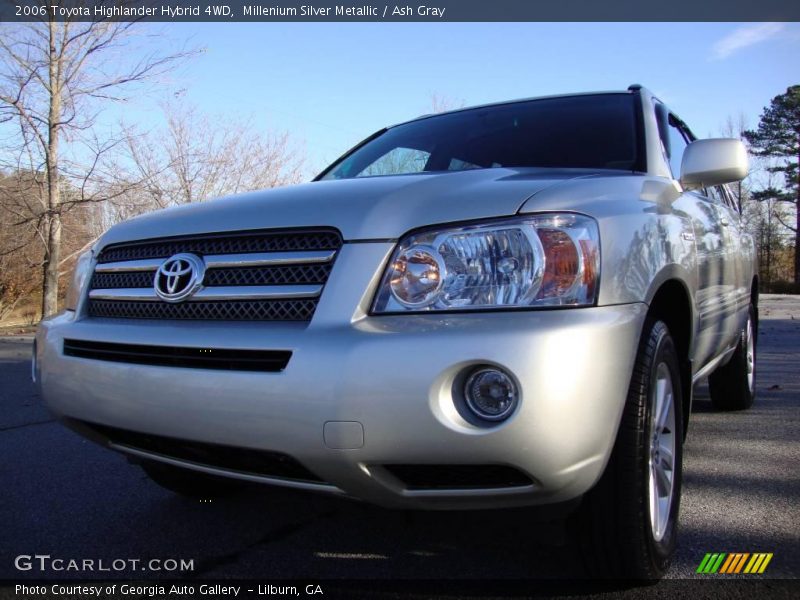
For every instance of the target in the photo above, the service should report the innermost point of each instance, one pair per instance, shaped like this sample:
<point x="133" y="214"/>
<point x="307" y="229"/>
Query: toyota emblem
<point x="179" y="277"/>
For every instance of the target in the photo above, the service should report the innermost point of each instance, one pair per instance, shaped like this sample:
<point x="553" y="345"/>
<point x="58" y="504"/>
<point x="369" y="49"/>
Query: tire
<point x="192" y="484"/>
<point x="626" y="525"/>
<point x="733" y="386"/>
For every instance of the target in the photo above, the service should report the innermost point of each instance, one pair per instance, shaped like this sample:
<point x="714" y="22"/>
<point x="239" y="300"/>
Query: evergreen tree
<point x="778" y="137"/>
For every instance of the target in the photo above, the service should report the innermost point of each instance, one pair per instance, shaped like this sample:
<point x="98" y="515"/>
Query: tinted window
<point x="595" y="131"/>
<point x="397" y="160"/>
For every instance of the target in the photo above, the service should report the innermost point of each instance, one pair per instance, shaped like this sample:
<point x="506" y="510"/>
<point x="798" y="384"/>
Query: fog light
<point x="491" y="394"/>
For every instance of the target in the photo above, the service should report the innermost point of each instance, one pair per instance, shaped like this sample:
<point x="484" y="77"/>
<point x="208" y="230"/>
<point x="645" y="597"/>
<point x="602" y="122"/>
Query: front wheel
<point x="627" y="524"/>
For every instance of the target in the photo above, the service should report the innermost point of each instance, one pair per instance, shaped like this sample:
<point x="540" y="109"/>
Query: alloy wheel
<point x="662" y="451"/>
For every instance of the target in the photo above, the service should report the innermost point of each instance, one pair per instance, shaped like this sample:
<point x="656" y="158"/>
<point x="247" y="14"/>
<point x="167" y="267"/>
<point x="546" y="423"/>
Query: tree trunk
<point x="53" y="239"/>
<point x="52" y="259"/>
<point x="797" y="242"/>
<point x="769" y="246"/>
<point x="797" y="219"/>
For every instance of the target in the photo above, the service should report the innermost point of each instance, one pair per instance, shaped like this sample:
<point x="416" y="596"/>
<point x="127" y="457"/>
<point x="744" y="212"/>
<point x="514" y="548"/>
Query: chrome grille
<point x="226" y="244"/>
<point x="266" y="276"/>
<point x="302" y="274"/>
<point x="253" y="310"/>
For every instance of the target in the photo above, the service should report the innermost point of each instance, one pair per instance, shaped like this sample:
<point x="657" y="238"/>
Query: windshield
<point x="594" y="131"/>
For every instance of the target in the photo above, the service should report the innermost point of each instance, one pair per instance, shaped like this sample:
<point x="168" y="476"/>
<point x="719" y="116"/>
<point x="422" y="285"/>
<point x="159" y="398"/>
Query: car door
<point x="741" y="260"/>
<point x="720" y="307"/>
<point x="714" y="276"/>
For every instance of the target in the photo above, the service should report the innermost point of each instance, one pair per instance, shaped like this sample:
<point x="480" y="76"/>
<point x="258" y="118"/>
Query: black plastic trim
<point x="241" y="460"/>
<point x="192" y="358"/>
<point x="458" y="477"/>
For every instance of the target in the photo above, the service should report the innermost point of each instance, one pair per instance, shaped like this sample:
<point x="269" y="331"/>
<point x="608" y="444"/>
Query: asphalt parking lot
<point x="67" y="497"/>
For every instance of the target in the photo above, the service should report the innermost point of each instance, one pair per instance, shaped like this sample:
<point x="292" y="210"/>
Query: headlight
<point x="79" y="276"/>
<point x="532" y="261"/>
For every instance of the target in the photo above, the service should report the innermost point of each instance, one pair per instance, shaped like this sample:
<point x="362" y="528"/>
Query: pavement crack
<point x="208" y="564"/>
<point x="26" y="425"/>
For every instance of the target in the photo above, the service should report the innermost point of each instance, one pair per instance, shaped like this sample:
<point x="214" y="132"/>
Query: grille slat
<point x="313" y="271"/>
<point x="251" y="310"/>
<point x="296" y="274"/>
<point x="226" y="244"/>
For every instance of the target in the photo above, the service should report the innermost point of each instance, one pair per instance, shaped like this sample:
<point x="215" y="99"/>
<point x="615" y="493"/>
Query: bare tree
<point x="197" y="157"/>
<point x="55" y="78"/>
<point x="21" y="196"/>
<point x="441" y="103"/>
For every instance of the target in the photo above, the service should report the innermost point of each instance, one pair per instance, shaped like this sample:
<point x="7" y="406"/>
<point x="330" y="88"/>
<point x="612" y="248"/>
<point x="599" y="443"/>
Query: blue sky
<point x="331" y="84"/>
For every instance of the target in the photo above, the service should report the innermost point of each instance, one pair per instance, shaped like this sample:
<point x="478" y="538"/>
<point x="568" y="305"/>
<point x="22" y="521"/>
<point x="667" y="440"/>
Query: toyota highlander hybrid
<point x="498" y="306"/>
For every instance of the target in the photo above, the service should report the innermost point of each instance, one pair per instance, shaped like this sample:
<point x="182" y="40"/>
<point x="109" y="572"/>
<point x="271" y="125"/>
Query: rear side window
<point x="596" y="131"/>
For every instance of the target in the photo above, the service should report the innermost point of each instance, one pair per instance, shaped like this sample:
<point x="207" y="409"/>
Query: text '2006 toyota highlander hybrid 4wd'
<point x="497" y="306"/>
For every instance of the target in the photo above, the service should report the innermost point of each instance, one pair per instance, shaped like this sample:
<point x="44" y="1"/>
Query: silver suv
<point x="498" y="306"/>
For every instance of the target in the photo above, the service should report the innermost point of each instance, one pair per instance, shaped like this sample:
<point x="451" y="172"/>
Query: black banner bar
<point x="416" y="11"/>
<point x="718" y="588"/>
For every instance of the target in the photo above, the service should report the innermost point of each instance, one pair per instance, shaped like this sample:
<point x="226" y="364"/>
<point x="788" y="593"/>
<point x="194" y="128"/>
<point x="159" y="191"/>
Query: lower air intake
<point x="240" y="460"/>
<point x="192" y="358"/>
<point x="458" y="477"/>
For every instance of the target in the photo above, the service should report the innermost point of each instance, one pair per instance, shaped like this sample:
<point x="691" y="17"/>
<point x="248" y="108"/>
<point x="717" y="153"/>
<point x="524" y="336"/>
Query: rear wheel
<point x="185" y="482"/>
<point x="733" y="386"/>
<point x="627" y="524"/>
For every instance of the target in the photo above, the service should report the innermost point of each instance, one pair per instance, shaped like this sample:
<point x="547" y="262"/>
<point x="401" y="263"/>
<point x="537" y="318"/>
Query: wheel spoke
<point x="653" y="496"/>
<point x="660" y="393"/>
<point x="666" y="405"/>
<point x="665" y="451"/>
<point x="664" y="482"/>
<point x="663" y="510"/>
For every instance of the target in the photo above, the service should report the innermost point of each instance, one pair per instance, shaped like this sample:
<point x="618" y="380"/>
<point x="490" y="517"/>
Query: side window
<point x="714" y="194"/>
<point x="729" y="198"/>
<point x="677" y="146"/>
<point x="723" y="196"/>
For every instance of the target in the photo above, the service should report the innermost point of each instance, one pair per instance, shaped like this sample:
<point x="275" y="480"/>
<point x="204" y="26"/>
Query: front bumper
<point x="392" y="375"/>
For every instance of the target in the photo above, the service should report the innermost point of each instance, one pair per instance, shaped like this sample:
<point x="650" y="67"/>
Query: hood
<point x="376" y="208"/>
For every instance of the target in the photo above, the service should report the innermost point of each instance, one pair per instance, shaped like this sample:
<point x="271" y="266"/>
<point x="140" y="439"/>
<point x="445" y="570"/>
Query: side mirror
<point x="713" y="162"/>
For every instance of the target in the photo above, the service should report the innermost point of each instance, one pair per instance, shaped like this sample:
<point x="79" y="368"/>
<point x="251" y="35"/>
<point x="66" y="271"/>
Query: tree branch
<point x="784" y="223"/>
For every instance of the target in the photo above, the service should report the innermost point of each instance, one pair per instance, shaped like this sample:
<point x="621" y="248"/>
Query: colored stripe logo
<point x="735" y="562"/>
